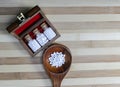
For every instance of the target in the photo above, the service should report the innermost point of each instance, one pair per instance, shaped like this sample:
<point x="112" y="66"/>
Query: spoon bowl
<point x="57" y="74"/>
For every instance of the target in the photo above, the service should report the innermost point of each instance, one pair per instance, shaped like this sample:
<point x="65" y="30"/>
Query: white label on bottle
<point x="33" y="44"/>
<point x="50" y="34"/>
<point x="42" y="39"/>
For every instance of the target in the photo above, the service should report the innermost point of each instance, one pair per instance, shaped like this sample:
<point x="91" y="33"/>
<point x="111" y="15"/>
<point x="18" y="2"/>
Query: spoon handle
<point x="56" y="82"/>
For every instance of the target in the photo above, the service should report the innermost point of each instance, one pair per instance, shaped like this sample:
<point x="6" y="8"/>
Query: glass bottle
<point x="40" y="37"/>
<point x="32" y="43"/>
<point x="48" y="31"/>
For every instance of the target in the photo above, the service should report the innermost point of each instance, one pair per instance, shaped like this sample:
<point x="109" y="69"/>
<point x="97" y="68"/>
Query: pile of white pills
<point x="57" y="59"/>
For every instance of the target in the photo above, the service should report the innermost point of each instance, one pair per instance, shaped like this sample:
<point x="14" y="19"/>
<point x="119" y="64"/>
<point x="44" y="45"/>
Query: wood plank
<point x="64" y="10"/>
<point x="92" y="81"/>
<point x="71" y="18"/>
<point x="84" y="18"/>
<point x="72" y="74"/>
<point x="11" y="46"/>
<point x="66" y="82"/>
<point x="82" y="10"/>
<point x="12" y="10"/>
<point x="89" y="36"/>
<point x="74" y="67"/>
<point x="109" y="85"/>
<point x="67" y="26"/>
<point x="20" y="60"/>
<point x="9" y="76"/>
<point x="76" y="51"/>
<point x="76" y="59"/>
<point x="73" y="37"/>
<point x="22" y="68"/>
<point x="96" y="58"/>
<point x="95" y="66"/>
<point x="19" y="83"/>
<point x="54" y="3"/>
<point x="99" y="36"/>
<point x="70" y="44"/>
<point x="93" y="73"/>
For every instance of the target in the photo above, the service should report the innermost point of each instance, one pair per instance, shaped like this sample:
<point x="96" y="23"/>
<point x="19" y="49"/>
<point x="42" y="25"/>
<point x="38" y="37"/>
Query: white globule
<point x="57" y="59"/>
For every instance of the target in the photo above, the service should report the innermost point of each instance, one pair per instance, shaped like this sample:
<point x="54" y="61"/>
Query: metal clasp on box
<point x="21" y="17"/>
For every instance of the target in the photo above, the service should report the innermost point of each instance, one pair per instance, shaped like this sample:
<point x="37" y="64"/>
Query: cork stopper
<point x="36" y="31"/>
<point x="44" y="25"/>
<point x="28" y="37"/>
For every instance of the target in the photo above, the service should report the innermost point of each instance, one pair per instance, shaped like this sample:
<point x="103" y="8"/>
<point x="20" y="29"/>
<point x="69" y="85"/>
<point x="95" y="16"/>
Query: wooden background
<point x="90" y="28"/>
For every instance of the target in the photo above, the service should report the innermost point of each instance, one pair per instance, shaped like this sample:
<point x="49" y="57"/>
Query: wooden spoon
<point x="57" y="74"/>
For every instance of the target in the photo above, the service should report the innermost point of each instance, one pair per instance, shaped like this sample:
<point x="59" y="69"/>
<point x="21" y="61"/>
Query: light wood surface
<point x="90" y="28"/>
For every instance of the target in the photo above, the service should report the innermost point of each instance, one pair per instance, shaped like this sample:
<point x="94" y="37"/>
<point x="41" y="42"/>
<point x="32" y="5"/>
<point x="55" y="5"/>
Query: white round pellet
<point x="57" y="59"/>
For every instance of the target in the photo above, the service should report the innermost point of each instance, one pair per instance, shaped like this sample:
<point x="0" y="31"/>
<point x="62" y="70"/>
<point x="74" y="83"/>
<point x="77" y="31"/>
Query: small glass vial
<point x="32" y="43"/>
<point x="49" y="33"/>
<point x="40" y="37"/>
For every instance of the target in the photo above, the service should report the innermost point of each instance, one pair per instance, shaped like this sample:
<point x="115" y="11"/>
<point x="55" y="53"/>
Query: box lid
<point x="17" y="22"/>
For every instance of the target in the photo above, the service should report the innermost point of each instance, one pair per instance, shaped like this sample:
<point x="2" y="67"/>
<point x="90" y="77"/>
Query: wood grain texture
<point x="91" y="29"/>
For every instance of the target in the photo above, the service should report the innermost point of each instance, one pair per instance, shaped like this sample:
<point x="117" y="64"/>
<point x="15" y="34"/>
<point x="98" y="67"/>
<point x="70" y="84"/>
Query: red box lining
<point x="28" y="24"/>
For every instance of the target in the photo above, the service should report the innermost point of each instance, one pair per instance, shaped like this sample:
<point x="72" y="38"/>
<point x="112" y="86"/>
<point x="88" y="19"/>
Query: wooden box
<point x="25" y="23"/>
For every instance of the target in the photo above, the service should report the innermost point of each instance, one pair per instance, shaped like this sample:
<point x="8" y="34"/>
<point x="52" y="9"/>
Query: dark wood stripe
<point x="91" y="44"/>
<point x="70" y="44"/>
<point x="67" y="27"/>
<point x="9" y="76"/>
<point x="82" y="10"/>
<point x="12" y="10"/>
<point x="93" y="73"/>
<point x="11" y="46"/>
<point x="80" y="86"/>
<point x="96" y="58"/>
<point x="23" y="75"/>
<point x="72" y="74"/>
<point x="76" y="59"/>
<point x="20" y="60"/>
<point x="35" y="75"/>
<point x="106" y="85"/>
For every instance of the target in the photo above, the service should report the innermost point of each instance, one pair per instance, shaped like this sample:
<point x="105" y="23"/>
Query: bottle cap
<point x="27" y="37"/>
<point x="36" y="31"/>
<point x="44" y="25"/>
